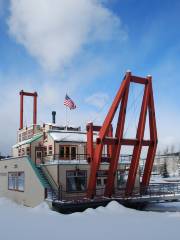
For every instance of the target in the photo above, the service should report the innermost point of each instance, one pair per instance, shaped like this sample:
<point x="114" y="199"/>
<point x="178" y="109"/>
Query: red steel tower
<point x="114" y="143"/>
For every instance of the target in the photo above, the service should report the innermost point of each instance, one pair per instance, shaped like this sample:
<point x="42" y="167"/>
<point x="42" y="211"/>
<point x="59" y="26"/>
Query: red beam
<point x="21" y="109"/>
<point x="35" y="109"/>
<point x="139" y="80"/>
<point x="110" y="147"/>
<point x="138" y="147"/>
<point x="133" y="142"/>
<point x="29" y="94"/>
<point x="129" y="142"/>
<point x="90" y="140"/>
<point x="119" y="134"/>
<point x="107" y="140"/>
<point x="104" y="132"/>
<point x="115" y="143"/>
<point x="153" y="136"/>
<point x="114" y="106"/>
<point x="34" y="95"/>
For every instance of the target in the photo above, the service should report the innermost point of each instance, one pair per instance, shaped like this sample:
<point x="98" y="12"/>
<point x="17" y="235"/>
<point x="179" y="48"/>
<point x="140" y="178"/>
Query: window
<point x="30" y="133"/>
<point x="102" y="173"/>
<point x="21" y="181"/>
<point x="98" y="182"/>
<point x="73" y="152"/>
<point x="16" y="181"/>
<point x="122" y="176"/>
<point x="22" y="151"/>
<point x="68" y="152"/>
<point x="19" y="137"/>
<point x="101" y="178"/>
<point x="105" y="181"/>
<point x="50" y="149"/>
<point x="19" y="152"/>
<point x="61" y="151"/>
<point x="28" y="151"/>
<point x="45" y="151"/>
<point x="76" y="181"/>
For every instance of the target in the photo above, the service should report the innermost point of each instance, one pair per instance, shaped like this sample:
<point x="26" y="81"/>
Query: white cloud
<point x="50" y="97"/>
<point x="97" y="99"/>
<point x="55" y="31"/>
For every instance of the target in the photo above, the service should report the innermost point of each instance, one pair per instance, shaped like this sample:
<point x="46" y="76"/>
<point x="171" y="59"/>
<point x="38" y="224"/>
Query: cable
<point x="135" y="110"/>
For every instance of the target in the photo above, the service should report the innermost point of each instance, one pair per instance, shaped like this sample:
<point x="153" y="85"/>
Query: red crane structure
<point x="114" y="143"/>
<point x="34" y="95"/>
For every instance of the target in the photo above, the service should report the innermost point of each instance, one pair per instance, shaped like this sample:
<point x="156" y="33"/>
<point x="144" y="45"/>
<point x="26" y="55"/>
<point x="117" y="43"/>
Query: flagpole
<point x="66" y="117"/>
<point x="68" y="102"/>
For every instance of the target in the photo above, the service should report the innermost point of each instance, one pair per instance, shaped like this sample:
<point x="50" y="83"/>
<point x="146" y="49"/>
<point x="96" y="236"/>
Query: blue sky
<point x="84" y="47"/>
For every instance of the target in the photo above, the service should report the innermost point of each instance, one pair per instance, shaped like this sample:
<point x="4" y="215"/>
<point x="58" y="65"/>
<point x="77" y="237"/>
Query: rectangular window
<point x="101" y="178"/>
<point x="19" y="152"/>
<point x="22" y="151"/>
<point x="12" y="181"/>
<point x="122" y="176"/>
<point x="16" y="181"/>
<point x="28" y="151"/>
<point x="68" y="152"/>
<point x="20" y="184"/>
<point x="50" y="149"/>
<point x="98" y="182"/>
<point x="102" y="173"/>
<point x="73" y="153"/>
<point x="61" y="151"/>
<point x="45" y="151"/>
<point x="76" y="181"/>
<point x="19" y="137"/>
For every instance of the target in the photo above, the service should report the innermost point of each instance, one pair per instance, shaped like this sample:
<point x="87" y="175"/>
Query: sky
<point x="83" y="48"/>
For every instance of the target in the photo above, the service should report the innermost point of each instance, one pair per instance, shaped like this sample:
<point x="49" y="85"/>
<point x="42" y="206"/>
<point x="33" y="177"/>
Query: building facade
<point x="51" y="162"/>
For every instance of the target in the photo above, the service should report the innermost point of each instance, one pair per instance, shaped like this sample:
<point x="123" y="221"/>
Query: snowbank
<point x="110" y="223"/>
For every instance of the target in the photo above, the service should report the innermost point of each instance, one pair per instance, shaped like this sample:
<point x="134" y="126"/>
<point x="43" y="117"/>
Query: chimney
<point x="53" y="117"/>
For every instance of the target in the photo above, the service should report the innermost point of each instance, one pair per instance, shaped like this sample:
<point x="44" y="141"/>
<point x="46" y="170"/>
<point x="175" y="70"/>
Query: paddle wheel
<point x="114" y="143"/>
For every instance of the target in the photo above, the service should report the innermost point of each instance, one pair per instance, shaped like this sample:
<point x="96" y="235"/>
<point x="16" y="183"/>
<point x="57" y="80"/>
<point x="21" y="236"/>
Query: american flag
<point x="69" y="102"/>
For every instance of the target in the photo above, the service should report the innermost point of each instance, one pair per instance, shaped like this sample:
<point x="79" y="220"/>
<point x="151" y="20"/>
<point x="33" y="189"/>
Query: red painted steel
<point x="35" y="109"/>
<point x="34" y="95"/>
<point x="138" y="147"/>
<point x="21" y="109"/>
<point x="102" y="134"/>
<point x="115" y="143"/>
<point x="90" y="141"/>
<point x="153" y="137"/>
<point x="119" y="135"/>
<point x="110" y="147"/>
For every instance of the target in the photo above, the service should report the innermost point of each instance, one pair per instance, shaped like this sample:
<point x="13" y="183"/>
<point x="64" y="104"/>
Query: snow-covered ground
<point x="110" y="223"/>
<point x="160" y="179"/>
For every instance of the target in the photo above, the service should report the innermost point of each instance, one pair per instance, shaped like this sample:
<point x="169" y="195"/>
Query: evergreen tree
<point x="165" y="173"/>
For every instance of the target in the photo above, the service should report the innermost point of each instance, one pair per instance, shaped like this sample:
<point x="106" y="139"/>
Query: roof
<point x="67" y="136"/>
<point x="34" y="138"/>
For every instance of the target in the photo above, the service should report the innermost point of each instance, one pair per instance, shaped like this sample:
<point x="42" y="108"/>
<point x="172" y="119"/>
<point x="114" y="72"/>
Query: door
<point x="39" y="154"/>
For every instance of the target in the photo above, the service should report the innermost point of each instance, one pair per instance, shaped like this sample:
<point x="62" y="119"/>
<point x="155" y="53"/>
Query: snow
<point x="160" y="179"/>
<point x="112" y="222"/>
<point x="69" y="136"/>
